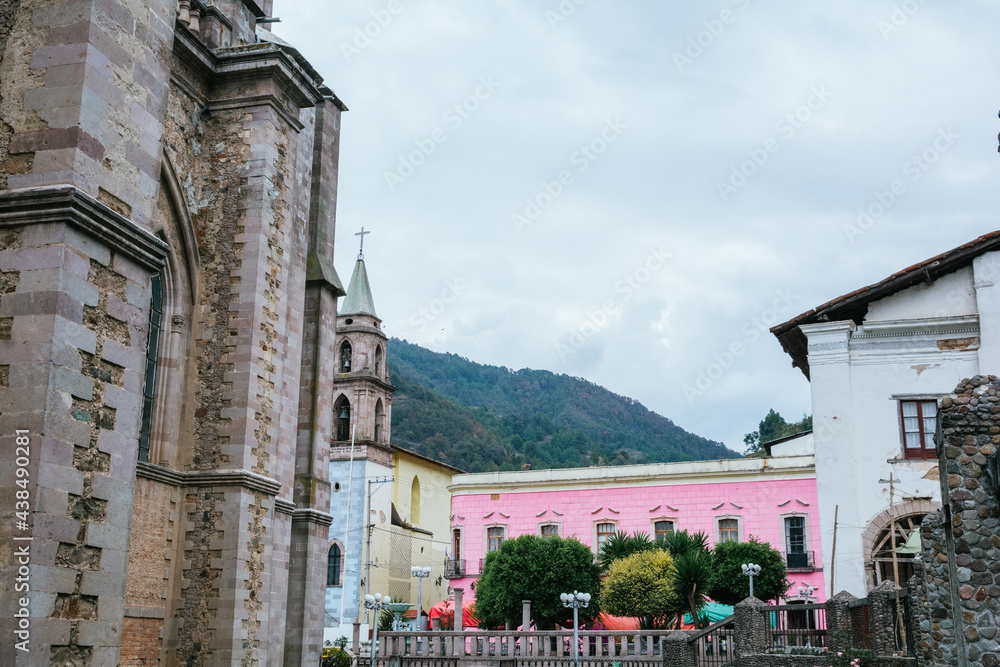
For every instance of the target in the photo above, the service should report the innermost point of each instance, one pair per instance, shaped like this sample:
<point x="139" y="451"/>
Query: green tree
<point x="680" y="542"/>
<point x="729" y="584"/>
<point x="692" y="580"/>
<point x="641" y="585"/>
<point x="622" y="545"/>
<point x="537" y="569"/>
<point x="772" y="427"/>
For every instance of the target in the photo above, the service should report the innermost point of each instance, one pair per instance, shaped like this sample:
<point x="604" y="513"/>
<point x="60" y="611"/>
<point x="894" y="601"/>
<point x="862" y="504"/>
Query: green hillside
<point x="481" y="418"/>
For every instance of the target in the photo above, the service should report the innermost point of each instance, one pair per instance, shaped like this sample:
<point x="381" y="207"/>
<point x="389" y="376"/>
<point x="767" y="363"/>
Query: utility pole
<point x="833" y="554"/>
<point x="347" y="536"/>
<point x="895" y="561"/>
<point x="371" y="528"/>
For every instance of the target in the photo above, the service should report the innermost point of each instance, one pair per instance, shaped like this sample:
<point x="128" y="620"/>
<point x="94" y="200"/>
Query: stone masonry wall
<point x="185" y="558"/>
<point x="961" y="553"/>
<point x="82" y="88"/>
<point x="73" y="328"/>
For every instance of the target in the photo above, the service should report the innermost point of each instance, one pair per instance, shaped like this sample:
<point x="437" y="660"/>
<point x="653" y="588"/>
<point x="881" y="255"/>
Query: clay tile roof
<point x="854" y="305"/>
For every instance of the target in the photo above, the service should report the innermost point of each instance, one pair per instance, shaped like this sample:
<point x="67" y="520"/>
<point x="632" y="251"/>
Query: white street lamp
<point x="575" y="600"/>
<point x="751" y="570"/>
<point x="376" y="603"/>
<point x="420" y="573"/>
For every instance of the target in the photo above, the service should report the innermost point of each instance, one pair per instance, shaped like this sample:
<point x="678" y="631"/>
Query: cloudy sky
<point x="622" y="191"/>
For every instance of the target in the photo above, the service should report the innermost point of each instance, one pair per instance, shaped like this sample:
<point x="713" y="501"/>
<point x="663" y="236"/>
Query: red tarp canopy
<point x="469" y="620"/>
<point x="617" y="622"/>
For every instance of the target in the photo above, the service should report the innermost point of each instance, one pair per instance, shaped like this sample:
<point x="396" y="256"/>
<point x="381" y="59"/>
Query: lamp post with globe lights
<point x="376" y="603"/>
<point x="751" y="570"/>
<point x="420" y="573"/>
<point x="575" y="600"/>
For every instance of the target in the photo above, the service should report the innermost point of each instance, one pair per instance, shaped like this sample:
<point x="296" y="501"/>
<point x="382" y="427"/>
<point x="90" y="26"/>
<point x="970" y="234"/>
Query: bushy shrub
<point x="641" y="585"/>
<point x="335" y="654"/>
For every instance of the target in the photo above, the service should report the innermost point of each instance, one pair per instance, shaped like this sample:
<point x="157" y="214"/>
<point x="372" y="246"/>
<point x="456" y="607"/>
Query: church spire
<point x="359" y="293"/>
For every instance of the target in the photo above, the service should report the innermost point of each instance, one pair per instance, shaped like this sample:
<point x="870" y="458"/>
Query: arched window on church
<point x="378" y="361"/>
<point x="345" y="357"/>
<point x="415" y="501"/>
<point x="342" y="410"/>
<point x="333" y="568"/>
<point x="152" y="348"/>
<point x="379" y="420"/>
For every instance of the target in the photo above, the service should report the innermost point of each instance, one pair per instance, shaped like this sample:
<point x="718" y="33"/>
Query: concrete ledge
<point x="180" y="478"/>
<point x="68" y="205"/>
<point x="282" y="506"/>
<point x="312" y="516"/>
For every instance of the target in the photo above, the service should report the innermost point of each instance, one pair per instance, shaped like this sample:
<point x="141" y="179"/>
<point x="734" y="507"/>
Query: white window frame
<point x="486" y="536"/>
<point x="926" y="453"/>
<point x="597" y="522"/>
<point x="784" y="534"/>
<point x="461" y="540"/>
<point x="557" y="524"/>
<point x="653" y="522"/>
<point x="739" y="526"/>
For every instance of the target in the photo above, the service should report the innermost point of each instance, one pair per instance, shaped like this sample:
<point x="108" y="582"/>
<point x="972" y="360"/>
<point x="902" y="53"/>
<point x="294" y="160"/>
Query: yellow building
<point x="418" y="530"/>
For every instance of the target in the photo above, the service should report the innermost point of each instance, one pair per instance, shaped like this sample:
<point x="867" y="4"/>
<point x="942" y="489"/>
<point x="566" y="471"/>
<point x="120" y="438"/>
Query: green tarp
<point x="714" y="611"/>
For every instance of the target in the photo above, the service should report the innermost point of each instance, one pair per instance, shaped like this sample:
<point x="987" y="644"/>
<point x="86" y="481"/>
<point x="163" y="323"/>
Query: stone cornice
<point x="361" y="377"/>
<point x="180" y="478"/>
<point x="840" y="328"/>
<point x="193" y="52"/>
<point x="65" y="204"/>
<point x="254" y="62"/>
<point x="649" y="474"/>
<point x="283" y="506"/>
<point x="311" y="515"/>
<point x="157" y="473"/>
<point x="933" y="326"/>
<point x="243" y="478"/>
<point x="229" y="72"/>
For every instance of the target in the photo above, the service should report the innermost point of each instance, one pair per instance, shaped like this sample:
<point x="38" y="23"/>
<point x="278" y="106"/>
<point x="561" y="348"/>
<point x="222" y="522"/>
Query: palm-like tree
<point x="617" y="546"/>
<point x="692" y="578"/>
<point x="639" y="541"/>
<point x="680" y="542"/>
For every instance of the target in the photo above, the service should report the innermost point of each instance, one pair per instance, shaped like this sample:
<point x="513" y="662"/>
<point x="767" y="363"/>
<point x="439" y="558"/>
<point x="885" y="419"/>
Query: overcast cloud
<point x="629" y="190"/>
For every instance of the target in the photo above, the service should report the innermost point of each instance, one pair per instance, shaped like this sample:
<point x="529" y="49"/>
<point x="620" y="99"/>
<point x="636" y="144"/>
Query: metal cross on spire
<point x="361" y="252"/>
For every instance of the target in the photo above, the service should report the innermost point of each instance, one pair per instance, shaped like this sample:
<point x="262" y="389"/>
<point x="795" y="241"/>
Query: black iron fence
<point x="454" y="569"/>
<point x="798" y="625"/>
<point x="799" y="560"/>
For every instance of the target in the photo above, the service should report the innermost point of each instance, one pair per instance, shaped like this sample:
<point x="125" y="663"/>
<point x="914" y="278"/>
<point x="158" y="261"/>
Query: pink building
<point x="772" y="499"/>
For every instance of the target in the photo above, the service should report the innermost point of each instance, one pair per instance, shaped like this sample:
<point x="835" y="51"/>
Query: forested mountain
<point x="481" y="418"/>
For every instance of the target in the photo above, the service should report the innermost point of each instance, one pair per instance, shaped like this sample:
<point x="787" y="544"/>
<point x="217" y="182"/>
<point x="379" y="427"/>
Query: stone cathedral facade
<point x="168" y="314"/>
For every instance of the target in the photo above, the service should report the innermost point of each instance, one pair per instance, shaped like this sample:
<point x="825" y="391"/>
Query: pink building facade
<point x="771" y="499"/>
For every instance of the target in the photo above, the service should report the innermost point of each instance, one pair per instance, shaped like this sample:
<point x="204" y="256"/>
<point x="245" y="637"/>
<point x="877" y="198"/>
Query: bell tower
<point x="361" y="383"/>
<point x="361" y="498"/>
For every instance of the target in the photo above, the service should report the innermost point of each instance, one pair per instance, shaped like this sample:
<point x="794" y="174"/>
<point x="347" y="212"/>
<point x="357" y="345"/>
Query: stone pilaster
<point x="882" y="620"/>
<point x="962" y="544"/>
<point x="678" y="651"/>
<point x="74" y="313"/>
<point x="310" y="532"/>
<point x="839" y="632"/>
<point x="752" y="634"/>
<point x="83" y="89"/>
<point x="252" y="223"/>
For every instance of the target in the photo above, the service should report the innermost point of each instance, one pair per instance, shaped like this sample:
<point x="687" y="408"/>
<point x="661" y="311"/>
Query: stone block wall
<point x="961" y="544"/>
<point x="74" y="312"/>
<point x="149" y="147"/>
